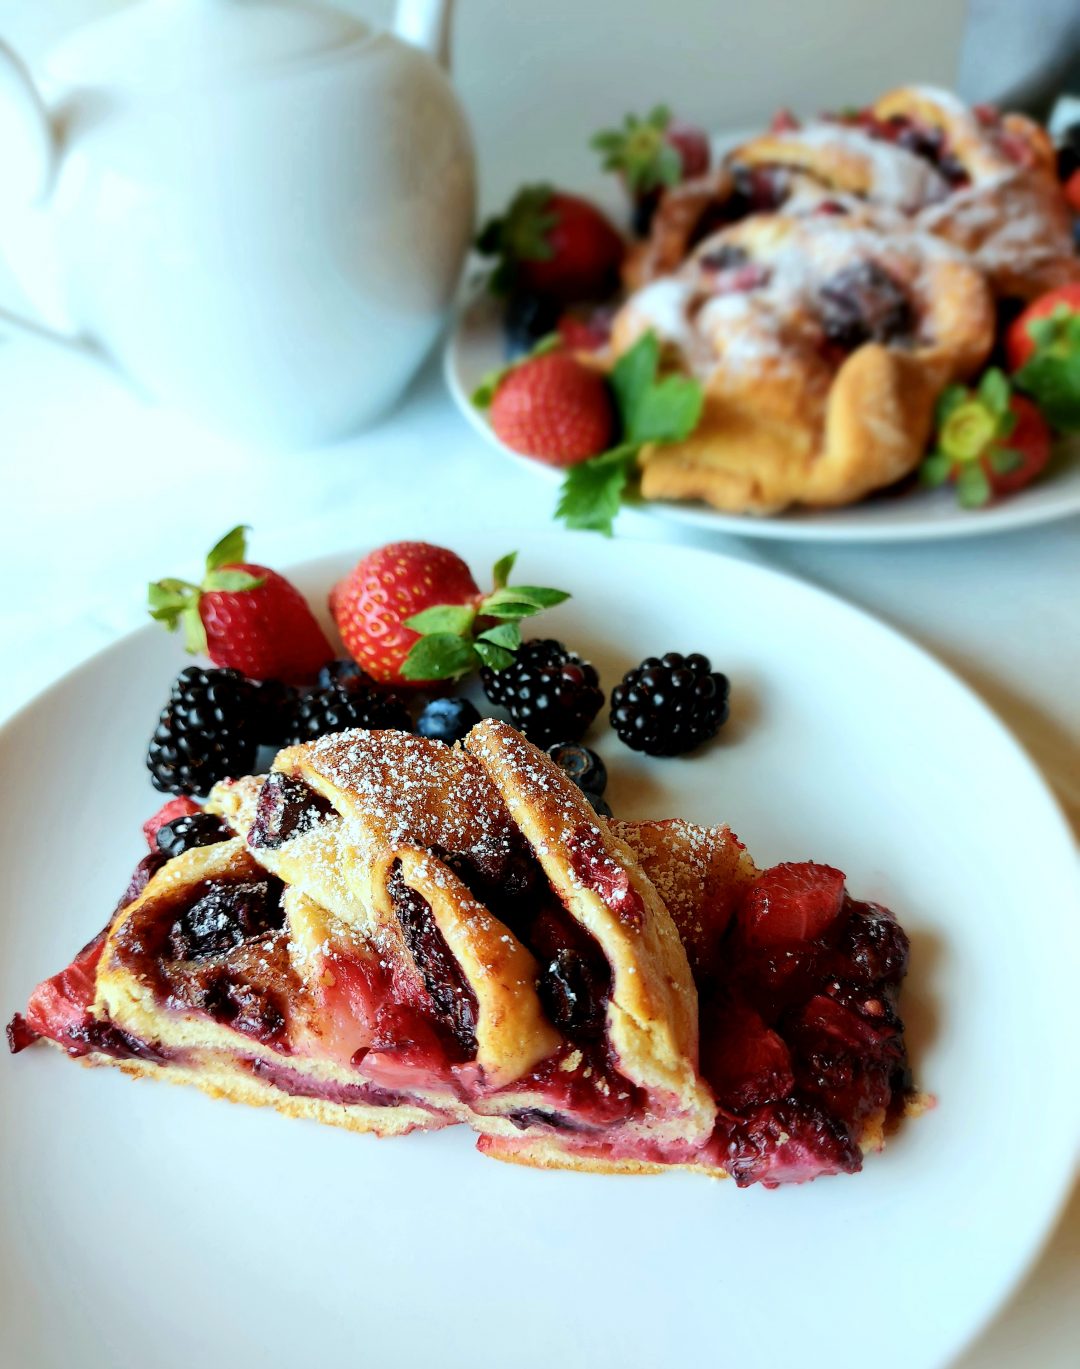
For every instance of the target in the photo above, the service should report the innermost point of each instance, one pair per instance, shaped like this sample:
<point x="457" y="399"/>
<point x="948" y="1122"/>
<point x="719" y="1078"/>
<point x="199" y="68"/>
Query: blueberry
<point x="447" y="720"/>
<point x="189" y="831"/>
<point x="343" y="672"/>
<point x="599" y="803"/>
<point x="583" y="766"/>
<point x="527" y="319"/>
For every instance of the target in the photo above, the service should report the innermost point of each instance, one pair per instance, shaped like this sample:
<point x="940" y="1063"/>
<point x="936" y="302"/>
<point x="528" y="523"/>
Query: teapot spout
<point x="27" y="147"/>
<point x="426" y="25"/>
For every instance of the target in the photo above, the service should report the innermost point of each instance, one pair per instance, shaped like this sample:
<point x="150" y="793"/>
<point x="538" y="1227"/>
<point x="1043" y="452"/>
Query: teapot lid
<point x="162" y="46"/>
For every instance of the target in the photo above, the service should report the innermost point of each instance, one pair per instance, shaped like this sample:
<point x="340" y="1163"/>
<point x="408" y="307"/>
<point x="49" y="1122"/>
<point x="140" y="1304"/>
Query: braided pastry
<point x="917" y="157"/>
<point x="401" y="935"/>
<point x="823" y="343"/>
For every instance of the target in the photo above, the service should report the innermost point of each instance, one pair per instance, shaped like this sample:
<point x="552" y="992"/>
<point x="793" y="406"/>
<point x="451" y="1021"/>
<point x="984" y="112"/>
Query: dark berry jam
<point x="286" y="807"/>
<point x="863" y="303"/>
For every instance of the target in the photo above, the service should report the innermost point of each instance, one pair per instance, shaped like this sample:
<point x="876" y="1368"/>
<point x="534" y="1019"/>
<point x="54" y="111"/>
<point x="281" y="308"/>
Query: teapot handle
<point x="28" y="157"/>
<point x="426" y="25"/>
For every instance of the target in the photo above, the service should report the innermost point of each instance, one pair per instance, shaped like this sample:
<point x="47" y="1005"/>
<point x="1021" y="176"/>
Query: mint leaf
<point x="592" y="491"/>
<point x="1053" y="382"/>
<point x="229" y="549"/>
<point x="232" y="581"/>
<point x="521" y="601"/>
<point x="539" y="595"/>
<point x="443" y="618"/>
<point x="631" y="377"/>
<point x="441" y="656"/>
<point x="668" y="411"/>
<point x="494" y="656"/>
<point x="503" y="566"/>
<point x="505" y="635"/>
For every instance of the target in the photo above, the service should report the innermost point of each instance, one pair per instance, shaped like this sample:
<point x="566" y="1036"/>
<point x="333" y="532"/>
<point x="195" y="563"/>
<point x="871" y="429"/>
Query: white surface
<point x="983" y="1007"/>
<point x="476" y="347"/>
<point x="243" y="243"/>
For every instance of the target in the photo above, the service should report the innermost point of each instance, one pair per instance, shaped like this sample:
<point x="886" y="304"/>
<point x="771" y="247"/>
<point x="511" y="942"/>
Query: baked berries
<point x="447" y="720"/>
<point x="208" y="731"/>
<point x="190" y="830"/>
<point x="670" y="704"/>
<point x="342" y="706"/>
<point x="550" y="693"/>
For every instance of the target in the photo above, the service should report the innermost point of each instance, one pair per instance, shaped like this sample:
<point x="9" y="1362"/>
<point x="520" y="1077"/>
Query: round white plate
<point x="144" y="1225"/>
<point x="476" y="347"/>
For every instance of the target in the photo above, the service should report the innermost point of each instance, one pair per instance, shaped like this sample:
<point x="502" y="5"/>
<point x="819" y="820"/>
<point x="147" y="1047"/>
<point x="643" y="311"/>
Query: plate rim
<point x="1001" y="519"/>
<point x="1058" y="830"/>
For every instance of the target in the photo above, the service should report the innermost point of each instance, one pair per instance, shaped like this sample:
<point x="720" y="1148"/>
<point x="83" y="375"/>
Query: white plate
<point x="145" y="1225"/>
<point x="476" y="347"/>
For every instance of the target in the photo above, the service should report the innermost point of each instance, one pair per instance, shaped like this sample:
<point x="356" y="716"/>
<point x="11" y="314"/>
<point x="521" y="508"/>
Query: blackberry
<point x="447" y="720"/>
<point x="193" y="829"/>
<point x="550" y="693"/>
<point x="342" y="706"/>
<point x="669" y="705"/>
<point x="208" y="731"/>
<point x="276" y="705"/>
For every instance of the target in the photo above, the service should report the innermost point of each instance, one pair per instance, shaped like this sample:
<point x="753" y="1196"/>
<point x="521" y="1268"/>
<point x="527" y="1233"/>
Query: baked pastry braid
<point x="984" y="181"/>
<point x="822" y="343"/>
<point x="402" y="935"/>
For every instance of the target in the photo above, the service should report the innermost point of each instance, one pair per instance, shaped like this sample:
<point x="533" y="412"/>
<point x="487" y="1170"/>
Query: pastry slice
<point x="390" y="934"/>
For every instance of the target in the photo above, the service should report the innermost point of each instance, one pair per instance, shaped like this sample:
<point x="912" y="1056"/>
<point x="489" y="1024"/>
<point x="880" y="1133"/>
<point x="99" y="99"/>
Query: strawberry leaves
<point x="1052" y="375"/>
<point x="650" y="410"/>
<point x="972" y="449"/>
<point x="521" y="234"/>
<point x="175" y="603"/>
<point x="456" y="639"/>
<point x="640" y="151"/>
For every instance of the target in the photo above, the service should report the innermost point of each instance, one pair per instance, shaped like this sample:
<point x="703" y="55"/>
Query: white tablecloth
<point x="99" y="494"/>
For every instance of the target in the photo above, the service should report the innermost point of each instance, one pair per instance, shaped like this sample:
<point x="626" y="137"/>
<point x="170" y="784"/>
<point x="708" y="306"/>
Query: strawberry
<point x="176" y="808"/>
<point x="653" y="152"/>
<point x="411" y="613"/>
<point x="791" y="902"/>
<point x="1043" y="351"/>
<point x="552" y="245"/>
<point x="555" y="409"/>
<point x="1071" y="190"/>
<point x="585" y="333"/>
<point x="990" y="441"/>
<point x="244" y="617"/>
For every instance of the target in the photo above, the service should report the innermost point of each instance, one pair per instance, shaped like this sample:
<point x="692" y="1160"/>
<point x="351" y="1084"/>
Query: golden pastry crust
<point x="1011" y="217"/>
<point x="652" y="1012"/>
<point x="783" y="423"/>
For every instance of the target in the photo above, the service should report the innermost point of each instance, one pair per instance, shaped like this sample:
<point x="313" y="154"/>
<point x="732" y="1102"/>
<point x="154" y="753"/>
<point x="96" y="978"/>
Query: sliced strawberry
<point x="791" y="902"/>
<point x="176" y="808"/>
<point x="59" y="1007"/>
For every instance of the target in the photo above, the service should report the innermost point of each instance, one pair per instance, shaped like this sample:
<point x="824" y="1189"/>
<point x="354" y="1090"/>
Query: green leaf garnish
<point x="450" y="644"/>
<point x="995" y="392"/>
<point x="1052" y="375"/>
<point x="446" y="618"/>
<point x="650" y="410"/>
<point x="640" y="151"/>
<point x="1005" y="460"/>
<point x="442" y="656"/>
<point x="972" y="487"/>
<point x="935" y="469"/>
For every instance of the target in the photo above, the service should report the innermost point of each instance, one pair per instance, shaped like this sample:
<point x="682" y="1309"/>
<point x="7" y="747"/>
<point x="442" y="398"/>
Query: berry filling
<point x="605" y="877"/>
<point x="732" y="272"/>
<point x="921" y="139"/>
<point x="800" y="1038"/>
<point x="450" y="991"/>
<point x="863" y="303"/>
<point x="286" y="807"/>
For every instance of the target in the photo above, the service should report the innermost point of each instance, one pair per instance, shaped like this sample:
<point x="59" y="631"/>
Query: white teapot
<point x="257" y="209"/>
